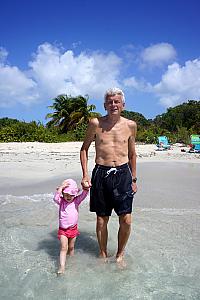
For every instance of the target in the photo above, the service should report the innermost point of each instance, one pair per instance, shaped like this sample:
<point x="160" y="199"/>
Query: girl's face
<point x="68" y="197"/>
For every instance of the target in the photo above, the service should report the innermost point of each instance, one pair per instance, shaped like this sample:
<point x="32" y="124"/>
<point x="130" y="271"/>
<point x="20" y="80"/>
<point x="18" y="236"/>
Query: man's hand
<point x="86" y="183"/>
<point x="134" y="187"/>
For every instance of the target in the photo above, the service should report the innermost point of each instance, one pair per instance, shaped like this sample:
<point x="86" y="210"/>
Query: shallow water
<point x="162" y="255"/>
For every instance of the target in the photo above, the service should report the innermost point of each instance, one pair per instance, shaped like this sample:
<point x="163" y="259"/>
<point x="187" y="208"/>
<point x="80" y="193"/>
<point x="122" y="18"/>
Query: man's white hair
<point x="114" y="91"/>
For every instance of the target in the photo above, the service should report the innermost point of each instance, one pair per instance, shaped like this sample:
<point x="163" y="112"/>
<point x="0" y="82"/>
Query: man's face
<point x="114" y="105"/>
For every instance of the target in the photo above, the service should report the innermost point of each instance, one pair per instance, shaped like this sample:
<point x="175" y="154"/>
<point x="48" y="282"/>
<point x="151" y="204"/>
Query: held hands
<point x="86" y="183"/>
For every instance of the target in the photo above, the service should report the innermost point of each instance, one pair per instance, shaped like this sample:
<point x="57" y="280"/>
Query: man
<point x="114" y="179"/>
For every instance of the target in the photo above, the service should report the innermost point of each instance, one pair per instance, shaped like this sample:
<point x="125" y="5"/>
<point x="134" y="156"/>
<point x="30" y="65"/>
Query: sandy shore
<point x="33" y="163"/>
<point x="25" y="165"/>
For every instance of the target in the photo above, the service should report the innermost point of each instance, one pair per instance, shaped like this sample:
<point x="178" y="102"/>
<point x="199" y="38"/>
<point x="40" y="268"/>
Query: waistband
<point x="71" y="228"/>
<point x="124" y="166"/>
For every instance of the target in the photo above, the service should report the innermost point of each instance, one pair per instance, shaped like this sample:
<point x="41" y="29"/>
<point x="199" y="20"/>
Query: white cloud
<point x="132" y="82"/>
<point x="3" y="55"/>
<point x="158" y="54"/>
<point x="179" y="84"/>
<point x="16" y="87"/>
<point x="53" y="71"/>
<point x="57" y="72"/>
<point x="76" y="44"/>
<point x="138" y="85"/>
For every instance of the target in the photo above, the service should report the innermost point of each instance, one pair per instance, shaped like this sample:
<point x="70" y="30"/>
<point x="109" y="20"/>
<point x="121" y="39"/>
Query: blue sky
<point x="150" y="49"/>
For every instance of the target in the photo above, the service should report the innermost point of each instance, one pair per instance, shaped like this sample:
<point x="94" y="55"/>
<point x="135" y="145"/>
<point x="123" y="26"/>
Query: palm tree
<point x="70" y="112"/>
<point x="60" y="114"/>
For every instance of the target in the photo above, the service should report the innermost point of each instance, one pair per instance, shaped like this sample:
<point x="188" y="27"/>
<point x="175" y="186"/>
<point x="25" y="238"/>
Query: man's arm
<point x="132" y="153"/>
<point x="89" y="137"/>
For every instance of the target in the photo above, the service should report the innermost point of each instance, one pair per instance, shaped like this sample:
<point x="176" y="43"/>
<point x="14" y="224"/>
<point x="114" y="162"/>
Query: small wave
<point x="9" y="199"/>
<point x="172" y="211"/>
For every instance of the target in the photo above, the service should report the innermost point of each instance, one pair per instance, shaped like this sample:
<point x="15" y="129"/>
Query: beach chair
<point x="195" y="143"/>
<point x="163" y="143"/>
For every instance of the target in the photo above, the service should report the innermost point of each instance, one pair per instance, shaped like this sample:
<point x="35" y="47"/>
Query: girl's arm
<point x="57" y="197"/>
<point x="81" y="197"/>
<point x="58" y="193"/>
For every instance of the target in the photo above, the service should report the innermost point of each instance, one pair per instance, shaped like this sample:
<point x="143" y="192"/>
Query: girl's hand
<point x="86" y="183"/>
<point x="65" y="183"/>
<point x="59" y="189"/>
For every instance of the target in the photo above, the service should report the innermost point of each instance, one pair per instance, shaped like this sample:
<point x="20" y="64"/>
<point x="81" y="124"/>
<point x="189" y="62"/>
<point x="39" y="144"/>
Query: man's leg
<point x="102" y="235"/>
<point x="123" y="234"/>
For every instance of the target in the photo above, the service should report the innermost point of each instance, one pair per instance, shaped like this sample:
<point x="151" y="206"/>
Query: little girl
<point x="68" y="199"/>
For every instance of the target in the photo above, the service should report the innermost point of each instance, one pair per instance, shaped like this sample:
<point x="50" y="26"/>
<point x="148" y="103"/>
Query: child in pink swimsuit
<point x="68" y="198"/>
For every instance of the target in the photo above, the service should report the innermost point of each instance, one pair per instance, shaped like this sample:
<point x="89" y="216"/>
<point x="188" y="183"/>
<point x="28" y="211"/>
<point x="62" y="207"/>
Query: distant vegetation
<point x="178" y="123"/>
<point x="70" y="116"/>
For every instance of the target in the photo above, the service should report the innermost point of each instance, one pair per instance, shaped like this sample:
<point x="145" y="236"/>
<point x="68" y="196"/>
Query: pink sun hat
<point x="72" y="189"/>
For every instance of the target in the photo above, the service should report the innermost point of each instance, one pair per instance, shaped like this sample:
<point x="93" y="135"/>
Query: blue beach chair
<point x="195" y="142"/>
<point x="163" y="143"/>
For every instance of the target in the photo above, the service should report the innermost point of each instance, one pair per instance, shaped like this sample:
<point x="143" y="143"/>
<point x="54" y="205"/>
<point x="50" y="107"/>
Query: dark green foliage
<point x="80" y="131"/>
<point x="7" y="122"/>
<point x="137" y="117"/>
<point x="69" y="112"/>
<point x="70" y="119"/>
<point x="28" y="132"/>
<point x="185" y="115"/>
<point x="178" y="123"/>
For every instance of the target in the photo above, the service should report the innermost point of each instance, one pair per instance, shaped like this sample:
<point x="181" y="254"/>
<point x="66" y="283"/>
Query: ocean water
<point x="162" y="255"/>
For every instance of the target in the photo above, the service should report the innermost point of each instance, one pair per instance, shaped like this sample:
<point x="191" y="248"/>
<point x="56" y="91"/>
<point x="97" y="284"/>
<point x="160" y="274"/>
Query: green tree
<point x="185" y="115"/>
<point x="69" y="112"/>
<point x="7" y="122"/>
<point x="137" y="117"/>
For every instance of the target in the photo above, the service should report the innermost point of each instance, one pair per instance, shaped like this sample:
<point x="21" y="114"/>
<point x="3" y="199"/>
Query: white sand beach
<point x="30" y="163"/>
<point x="163" y="252"/>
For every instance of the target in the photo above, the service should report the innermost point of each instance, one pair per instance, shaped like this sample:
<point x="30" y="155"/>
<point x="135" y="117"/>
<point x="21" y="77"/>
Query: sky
<point x="148" y="48"/>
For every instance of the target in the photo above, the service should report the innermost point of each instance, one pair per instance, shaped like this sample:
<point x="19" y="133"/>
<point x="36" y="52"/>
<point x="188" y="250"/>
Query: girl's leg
<point x="63" y="253"/>
<point x="71" y="243"/>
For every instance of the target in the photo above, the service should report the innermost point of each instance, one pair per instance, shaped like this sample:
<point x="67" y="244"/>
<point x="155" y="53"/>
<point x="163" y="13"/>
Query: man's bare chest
<point x="120" y="135"/>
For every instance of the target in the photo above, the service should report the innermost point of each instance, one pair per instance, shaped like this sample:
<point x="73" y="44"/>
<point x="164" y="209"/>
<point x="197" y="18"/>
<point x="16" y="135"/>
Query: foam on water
<point x="162" y="254"/>
<point x="171" y="211"/>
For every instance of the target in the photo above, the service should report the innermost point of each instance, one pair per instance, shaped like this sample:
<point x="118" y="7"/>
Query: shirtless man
<point x="113" y="182"/>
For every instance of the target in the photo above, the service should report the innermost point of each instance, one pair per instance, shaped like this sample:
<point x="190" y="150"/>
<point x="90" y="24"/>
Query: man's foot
<point x="61" y="271"/>
<point x="103" y="257"/>
<point x="121" y="262"/>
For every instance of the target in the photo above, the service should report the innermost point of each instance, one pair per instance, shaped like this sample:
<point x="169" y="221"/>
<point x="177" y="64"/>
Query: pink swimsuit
<point x="68" y="213"/>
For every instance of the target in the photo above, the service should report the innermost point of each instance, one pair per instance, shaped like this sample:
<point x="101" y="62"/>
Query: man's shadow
<point x="86" y="242"/>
